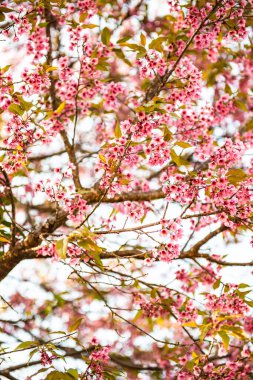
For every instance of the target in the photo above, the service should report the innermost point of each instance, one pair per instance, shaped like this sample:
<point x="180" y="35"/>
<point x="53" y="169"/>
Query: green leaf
<point x="243" y="286"/>
<point x="225" y="338"/>
<point x="60" y="108"/>
<point x="57" y="332"/>
<point x="241" y="105"/>
<point x="135" y="47"/>
<point x="61" y="248"/>
<point x="89" y="26"/>
<point x="217" y="283"/>
<point x="190" y="364"/>
<point x="194" y="355"/>
<point x="103" y="66"/>
<point x="5" y="68"/>
<point x="56" y="375"/>
<point x="228" y="89"/>
<point x="73" y="372"/>
<point x="179" y="161"/>
<point x="231" y="23"/>
<point x="242" y="294"/>
<point x="83" y="17"/>
<point x="156" y="44"/>
<point x="24" y="104"/>
<point x="231" y="316"/>
<point x="137" y="316"/>
<point x="236" y="175"/>
<point x="42" y="24"/>
<point x="249" y="303"/>
<point x="5" y="10"/>
<point x="183" y="144"/>
<point x="226" y="288"/>
<point x="75" y="325"/>
<point x="204" y="330"/>
<point x="102" y="158"/>
<point x="26" y="345"/>
<point x="175" y="158"/>
<point x="173" y="114"/>
<point x="4" y="240"/>
<point x="143" y="39"/>
<point x="119" y="53"/>
<point x="190" y="324"/>
<point x="51" y="68"/>
<point x="98" y="260"/>
<point x="16" y="109"/>
<point x="124" y="39"/>
<point x="88" y="244"/>
<point x="32" y="353"/>
<point x="234" y="330"/>
<point x="167" y="135"/>
<point x="105" y="36"/>
<point x="117" y="130"/>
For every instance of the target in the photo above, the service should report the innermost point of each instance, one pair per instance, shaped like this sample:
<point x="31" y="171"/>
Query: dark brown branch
<point x="160" y="81"/>
<point x="194" y="250"/>
<point x="128" y="364"/>
<point x="60" y="152"/>
<point x="220" y="262"/>
<point x="46" y="156"/>
<point x="18" y="253"/>
<point x="124" y="362"/>
<point x="140" y="255"/>
<point x="55" y="103"/>
<point x="9" y="376"/>
<point x="13" y="207"/>
<point x="25" y="249"/>
<point x="92" y="196"/>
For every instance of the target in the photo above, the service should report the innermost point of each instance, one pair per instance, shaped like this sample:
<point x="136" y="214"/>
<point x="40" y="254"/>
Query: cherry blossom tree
<point x="126" y="182"/>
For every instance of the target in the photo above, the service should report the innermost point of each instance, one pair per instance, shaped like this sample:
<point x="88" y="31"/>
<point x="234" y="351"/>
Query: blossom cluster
<point x="152" y="64"/>
<point x="64" y="195"/>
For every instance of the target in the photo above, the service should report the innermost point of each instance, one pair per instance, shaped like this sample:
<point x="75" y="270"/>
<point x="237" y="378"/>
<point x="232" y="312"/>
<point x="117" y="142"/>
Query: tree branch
<point x="18" y="253"/>
<point x="159" y="82"/>
<point x="69" y="148"/>
<point x="193" y="251"/>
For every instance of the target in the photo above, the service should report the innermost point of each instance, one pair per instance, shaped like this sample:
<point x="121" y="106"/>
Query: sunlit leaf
<point x="105" y="36"/>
